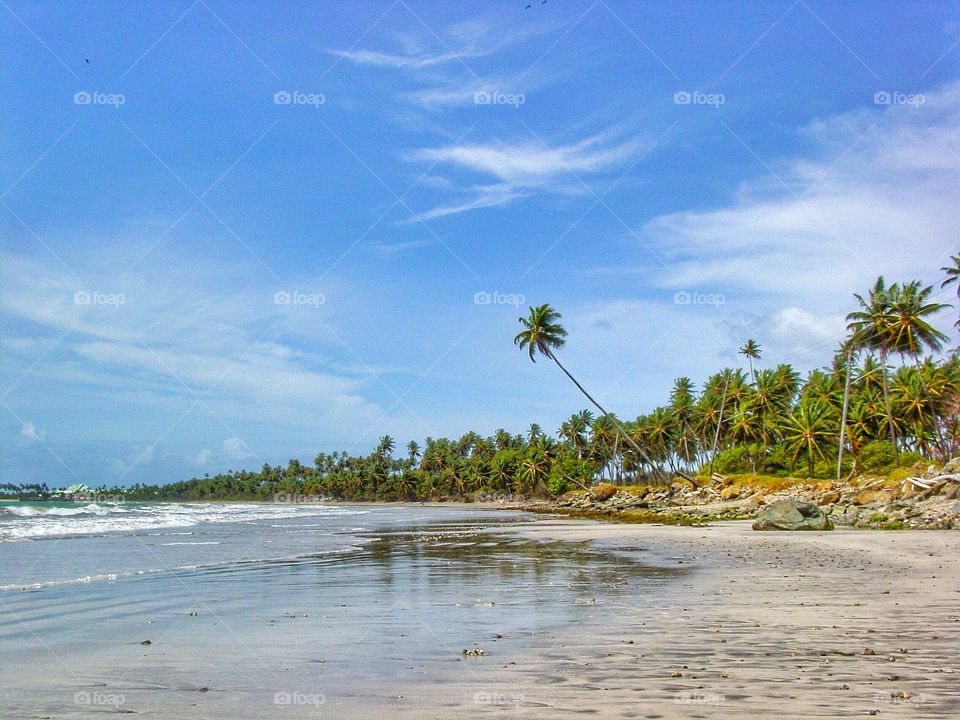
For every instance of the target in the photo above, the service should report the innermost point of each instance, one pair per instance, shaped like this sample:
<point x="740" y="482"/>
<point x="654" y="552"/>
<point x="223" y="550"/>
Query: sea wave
<point x="33" y="522"/>
<point x="37" y="511"/>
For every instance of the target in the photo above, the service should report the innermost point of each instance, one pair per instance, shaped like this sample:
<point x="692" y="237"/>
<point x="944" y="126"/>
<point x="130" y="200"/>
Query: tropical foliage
<point x="858" y="413"/>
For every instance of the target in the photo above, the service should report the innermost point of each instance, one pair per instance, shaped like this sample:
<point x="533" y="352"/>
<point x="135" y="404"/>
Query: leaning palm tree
<point x="751" y="350"/>
<point x="542" y="333"/>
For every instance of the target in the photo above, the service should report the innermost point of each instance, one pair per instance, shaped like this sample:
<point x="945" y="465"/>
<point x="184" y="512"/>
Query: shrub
<point x="732" y="460"/>
<point x="557" y="484"/>
<point x="909" y="458"/>
<point x="878" y="456"/>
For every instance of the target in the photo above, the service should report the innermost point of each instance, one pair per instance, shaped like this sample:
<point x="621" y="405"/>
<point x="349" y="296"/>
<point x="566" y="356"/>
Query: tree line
<point x="888" y="397"/>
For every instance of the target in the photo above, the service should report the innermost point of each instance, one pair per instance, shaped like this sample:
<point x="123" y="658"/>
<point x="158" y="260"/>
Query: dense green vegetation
<point x="860" y="413"/>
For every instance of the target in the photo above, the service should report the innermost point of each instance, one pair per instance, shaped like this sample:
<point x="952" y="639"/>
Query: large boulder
<point x="792" y="515"/>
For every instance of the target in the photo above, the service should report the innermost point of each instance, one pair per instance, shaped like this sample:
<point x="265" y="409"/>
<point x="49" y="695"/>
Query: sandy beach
<point x="459" y="613"/>
<point x="839" y="624"/>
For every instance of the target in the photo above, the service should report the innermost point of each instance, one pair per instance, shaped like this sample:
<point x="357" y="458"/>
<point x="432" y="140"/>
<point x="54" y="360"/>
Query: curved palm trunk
<point x="716" y="436"/>
<point x="620" y="427"/>
<point x="886" y="401"/>
<point x="941" y="444"/>
<point x="843" y="419"/>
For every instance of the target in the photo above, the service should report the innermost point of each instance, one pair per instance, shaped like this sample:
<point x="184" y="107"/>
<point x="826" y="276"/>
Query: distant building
<point x="75" y="490"/>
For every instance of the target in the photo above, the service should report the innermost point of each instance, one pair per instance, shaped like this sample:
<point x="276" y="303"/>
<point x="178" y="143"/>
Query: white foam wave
<point x="30" y="522"/>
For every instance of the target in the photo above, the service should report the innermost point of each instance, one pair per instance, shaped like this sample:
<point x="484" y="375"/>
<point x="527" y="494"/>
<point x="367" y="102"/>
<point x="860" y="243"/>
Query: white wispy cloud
<point x="173" y="342"/>
<point x="877" y="195"/>
<point x="138" y="457"/>
<point x="236" y="449"/>
<point x="470" y="39"/>
<point x="31" y="433"/>
<point x="399" y="247"/>
<point x="523" y="168"/>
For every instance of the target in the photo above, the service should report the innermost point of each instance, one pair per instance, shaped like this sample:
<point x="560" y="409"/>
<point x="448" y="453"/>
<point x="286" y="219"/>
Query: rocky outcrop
<point x="886" y="503"/>
<point x="792" y="515"/>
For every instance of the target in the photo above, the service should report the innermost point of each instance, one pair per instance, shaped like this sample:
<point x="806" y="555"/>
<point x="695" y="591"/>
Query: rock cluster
<point x="860" y="502"/>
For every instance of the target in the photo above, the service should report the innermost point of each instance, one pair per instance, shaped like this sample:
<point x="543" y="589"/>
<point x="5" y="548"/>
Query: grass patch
<point x="768" y="482"/>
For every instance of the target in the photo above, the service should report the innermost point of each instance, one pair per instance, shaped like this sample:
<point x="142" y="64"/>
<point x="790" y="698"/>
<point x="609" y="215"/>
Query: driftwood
<point x="931" y="486"/>
<point x="932" y="490"/>
<point x="688" y="478"/>
<point x="952" y="477"/>
<point x="717" y="477"/>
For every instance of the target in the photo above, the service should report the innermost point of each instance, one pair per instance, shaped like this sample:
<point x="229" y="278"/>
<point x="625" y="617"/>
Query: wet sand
<point x="560" y="618"/>
<point x="794" y="625"/>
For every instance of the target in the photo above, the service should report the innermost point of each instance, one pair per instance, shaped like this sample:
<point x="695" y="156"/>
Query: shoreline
<point x="559" y="617"/>
<point x="889" y="503"/>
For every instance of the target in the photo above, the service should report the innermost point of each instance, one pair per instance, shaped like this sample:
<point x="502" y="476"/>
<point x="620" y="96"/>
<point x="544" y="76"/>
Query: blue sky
<point x="236" y="233"/>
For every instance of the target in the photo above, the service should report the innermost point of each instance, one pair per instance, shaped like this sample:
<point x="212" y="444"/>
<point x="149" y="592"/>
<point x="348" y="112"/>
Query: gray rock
<point x="792" y="515"/>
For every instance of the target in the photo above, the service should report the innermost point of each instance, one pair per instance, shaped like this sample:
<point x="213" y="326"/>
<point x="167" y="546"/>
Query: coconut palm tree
<point x="385" y="447"/>
<point x="871" y="327"/>
<point x="807" y="430"/>
<point x="911" y="333"/>
<point x="751" y="350"/>
<point x="953" y="277"/>
<point x="413" y="452"/>
<point x="542" y="333"/>
<point x="845" y="349"/>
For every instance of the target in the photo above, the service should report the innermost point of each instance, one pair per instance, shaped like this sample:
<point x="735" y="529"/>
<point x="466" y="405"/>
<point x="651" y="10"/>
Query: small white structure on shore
<point x="72" y="491"/>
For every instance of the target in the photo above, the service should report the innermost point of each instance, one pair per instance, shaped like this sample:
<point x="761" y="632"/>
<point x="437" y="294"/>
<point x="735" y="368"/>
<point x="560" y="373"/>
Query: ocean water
<point x="237" y="610"/>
